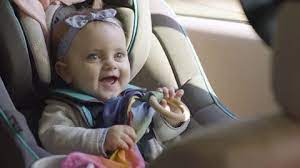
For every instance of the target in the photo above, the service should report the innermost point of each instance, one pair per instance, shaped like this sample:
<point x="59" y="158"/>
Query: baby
<point x="93" y="112"/>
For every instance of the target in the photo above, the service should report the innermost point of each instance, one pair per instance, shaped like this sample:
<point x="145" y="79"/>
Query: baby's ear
<point x="61" y="69"/>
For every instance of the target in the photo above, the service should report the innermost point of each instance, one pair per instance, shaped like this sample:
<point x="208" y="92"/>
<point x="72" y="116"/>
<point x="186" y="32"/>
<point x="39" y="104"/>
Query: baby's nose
<point x="110" y="64"/>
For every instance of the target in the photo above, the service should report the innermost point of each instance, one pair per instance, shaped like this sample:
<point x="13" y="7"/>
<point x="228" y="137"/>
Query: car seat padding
<point x="38" y="47"/>
<point x="15" y="124"/>
<point x="150" y="76"/>
<point x="15" y="66"/>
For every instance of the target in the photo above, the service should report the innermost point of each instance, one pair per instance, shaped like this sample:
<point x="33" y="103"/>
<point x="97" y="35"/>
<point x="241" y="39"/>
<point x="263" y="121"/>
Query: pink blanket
<point x="123" y="159"/>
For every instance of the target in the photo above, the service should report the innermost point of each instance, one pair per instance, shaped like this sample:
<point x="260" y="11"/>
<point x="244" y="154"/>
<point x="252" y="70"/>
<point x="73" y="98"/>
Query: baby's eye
<point x="93" y="56"/>
<point x="120" y="56"/>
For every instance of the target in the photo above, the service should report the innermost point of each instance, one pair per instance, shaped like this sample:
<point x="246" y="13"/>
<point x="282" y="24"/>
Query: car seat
<point x="268" y="141"/>
<point x="19" y="147"/>
<point x="159" y="49"/>
<point x="179" y="67"/>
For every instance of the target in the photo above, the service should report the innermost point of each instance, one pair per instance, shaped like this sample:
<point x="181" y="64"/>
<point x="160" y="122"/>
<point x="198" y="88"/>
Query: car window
<point x="214" y="9"/>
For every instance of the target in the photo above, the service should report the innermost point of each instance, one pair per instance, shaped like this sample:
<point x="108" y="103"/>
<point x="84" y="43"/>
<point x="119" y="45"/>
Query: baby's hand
<point x="119" y="137"/>
<point x="171" y="93"/>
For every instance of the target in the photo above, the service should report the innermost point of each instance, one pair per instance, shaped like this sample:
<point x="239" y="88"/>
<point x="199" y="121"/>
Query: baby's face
<point x="97" y="61"/>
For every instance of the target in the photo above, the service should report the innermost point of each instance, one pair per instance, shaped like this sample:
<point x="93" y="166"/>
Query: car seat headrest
<point x="134" y="16"/>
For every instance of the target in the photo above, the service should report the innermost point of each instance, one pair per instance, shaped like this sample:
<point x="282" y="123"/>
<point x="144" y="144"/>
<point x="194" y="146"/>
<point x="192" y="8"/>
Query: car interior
<point x="268" y="141"/>
<point x="151" y="29"/>
<point x="237" y="62"/>
<point x="161" y="54"/>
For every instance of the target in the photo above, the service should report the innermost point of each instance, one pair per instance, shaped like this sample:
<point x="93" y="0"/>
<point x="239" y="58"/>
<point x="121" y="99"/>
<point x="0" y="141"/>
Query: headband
<point x="77" y="22"/>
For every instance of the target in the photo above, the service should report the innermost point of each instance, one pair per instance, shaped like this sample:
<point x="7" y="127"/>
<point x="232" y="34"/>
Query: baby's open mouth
<point x="110" y="80"/>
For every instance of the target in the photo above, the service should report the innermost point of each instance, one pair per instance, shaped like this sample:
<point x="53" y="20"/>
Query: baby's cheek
<point x="92" y="75"/>
<point x="89" y="80"/>
<point x="125" y="79"/>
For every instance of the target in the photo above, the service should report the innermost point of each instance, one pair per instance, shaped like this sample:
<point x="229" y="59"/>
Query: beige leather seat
<point x="270" y="141"/>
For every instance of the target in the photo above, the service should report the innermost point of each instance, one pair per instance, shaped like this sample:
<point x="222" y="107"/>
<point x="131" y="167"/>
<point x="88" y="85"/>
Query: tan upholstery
<point x="50" y="13"/>
<point x="157" y="71"/>
<point x="126" y="16"/>
<point x="270" y="141"/>
<point x="141" y="47"/>
<point x="38" y="47"/>
<point x="173" y="62"/>
<point x="38" y="44"/>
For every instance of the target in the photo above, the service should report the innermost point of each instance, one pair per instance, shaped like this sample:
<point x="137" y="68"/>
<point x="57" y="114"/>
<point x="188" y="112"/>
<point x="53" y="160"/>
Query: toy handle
<point x="180" y="117"/>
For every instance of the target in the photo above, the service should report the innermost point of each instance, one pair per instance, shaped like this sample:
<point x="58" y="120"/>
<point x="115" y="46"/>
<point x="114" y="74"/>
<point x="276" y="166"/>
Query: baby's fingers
<point x="129" y="131"/>
<point x="179" y="93"/>
<point x="122" y="145"/>
<point x="129" y="142"/>
<point x="171" y="92"/>
<point x="163" y="103"/>
<point x="166" y="92"/>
